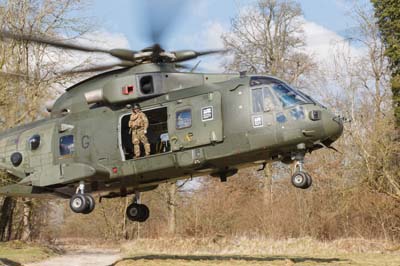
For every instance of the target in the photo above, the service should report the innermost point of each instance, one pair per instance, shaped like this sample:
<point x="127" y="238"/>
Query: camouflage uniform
<point x="139" y="124"/>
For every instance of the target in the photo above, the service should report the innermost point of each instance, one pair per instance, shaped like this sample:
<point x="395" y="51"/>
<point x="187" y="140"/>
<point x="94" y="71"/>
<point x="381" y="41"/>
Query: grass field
<point x="283" y="260"/>
<point x="213" y="251"/>
<point x="16" y="253"/>
<point x="220" y="251"/>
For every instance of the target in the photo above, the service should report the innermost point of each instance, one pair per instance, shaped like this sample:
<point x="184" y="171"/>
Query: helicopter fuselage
<point x="199" y="124"/>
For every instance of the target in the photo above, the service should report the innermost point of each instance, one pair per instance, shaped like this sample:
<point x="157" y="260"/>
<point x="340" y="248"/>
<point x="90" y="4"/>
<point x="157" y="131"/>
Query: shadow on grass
<point x="228" y="257"/>
<point x="7" y="262"/>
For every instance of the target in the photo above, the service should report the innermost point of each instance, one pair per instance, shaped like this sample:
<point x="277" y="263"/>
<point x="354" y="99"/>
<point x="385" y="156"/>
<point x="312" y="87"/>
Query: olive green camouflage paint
<point x="229" y="139"/>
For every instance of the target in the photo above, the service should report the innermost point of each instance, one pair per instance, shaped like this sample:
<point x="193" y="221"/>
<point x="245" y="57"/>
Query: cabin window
<point x="183" y="119"/>
<point x="146" y="85"/>
<point x="34" y="142"/>
<point x="67" y="145"/>
<point x="263" y="101"/>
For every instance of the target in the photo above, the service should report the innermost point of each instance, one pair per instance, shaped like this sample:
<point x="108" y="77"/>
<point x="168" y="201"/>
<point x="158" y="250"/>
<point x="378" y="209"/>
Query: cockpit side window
<point x="268" y="100"/>
<point x="257" y="97"/>
<point x="263" y="100"/>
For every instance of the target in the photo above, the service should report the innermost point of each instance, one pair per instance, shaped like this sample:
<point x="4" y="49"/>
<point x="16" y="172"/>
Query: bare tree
<point x="266" y="38"/>
<point x="361" y="90"/>
<point x="31" y="81"/>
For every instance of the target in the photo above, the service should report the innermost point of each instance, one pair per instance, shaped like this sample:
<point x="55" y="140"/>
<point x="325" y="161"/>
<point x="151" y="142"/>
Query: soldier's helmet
<point x="136" y="106"/>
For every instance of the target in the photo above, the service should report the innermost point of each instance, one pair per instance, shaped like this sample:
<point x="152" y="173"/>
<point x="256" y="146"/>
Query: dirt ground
<point x="84" y="257"/>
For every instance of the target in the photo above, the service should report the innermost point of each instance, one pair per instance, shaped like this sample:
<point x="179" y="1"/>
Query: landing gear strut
<point x="225" y="173"/>
<point x="300" y="178"/>
<point x="137" y="212"/>
<point x="81" y="202"/>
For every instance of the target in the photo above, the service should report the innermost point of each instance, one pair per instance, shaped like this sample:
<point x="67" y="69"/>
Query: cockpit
<point x="269" y="93"/>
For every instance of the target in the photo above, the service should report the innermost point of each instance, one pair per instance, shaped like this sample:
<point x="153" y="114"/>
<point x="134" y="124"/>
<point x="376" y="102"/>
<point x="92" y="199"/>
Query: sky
<point x="198" y="24"/>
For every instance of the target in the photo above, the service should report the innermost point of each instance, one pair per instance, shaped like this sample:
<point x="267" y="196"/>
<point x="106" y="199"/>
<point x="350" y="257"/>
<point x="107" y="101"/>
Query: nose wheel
<point x="300" y="178"/>
<point x="137" y="212"/>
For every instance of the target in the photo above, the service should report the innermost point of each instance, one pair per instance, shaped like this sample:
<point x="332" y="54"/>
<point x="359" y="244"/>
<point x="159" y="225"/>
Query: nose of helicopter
<point x="333" y="126"/>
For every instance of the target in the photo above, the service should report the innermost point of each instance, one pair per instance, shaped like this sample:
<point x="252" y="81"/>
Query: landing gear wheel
<point x="137" y="212"/>
<point x="90" y="204"/>
<point x="145" y="213"/>
<point x="132" y="212"/>
<point x="78" y="203"/>
<point x="301" y="180"/>
<point x="309" y="181"/>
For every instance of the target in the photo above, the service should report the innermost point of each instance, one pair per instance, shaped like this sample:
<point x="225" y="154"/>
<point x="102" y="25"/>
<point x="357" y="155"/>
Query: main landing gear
<point x="84" y="203"/>
<point x="300" y="178"/>
<point x="81" y="202"/>
<point x="137" y="212"/>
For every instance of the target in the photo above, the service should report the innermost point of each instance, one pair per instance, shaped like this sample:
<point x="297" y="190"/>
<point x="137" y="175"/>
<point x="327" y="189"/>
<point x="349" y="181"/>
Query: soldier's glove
<point x="145" y="131"/>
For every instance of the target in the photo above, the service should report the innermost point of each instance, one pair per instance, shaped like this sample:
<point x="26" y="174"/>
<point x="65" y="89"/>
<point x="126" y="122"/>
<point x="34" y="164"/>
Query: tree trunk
<point x="171" y="209"/>
<point x="26" y="221"/>
<point x="6" y="216"/>
<point x="268" y="189"/>
<point x="125" y="221"/>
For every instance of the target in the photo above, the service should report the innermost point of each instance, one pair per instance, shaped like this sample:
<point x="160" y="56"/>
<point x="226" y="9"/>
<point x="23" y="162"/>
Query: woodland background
<point x="355" y="194"/>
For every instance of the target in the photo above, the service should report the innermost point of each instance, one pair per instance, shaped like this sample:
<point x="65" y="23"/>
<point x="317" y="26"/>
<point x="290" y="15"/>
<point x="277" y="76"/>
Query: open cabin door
<point x="195" y="121"/>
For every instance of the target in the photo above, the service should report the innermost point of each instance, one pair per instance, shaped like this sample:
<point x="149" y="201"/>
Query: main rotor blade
<point x="124" y="54"/>
<point x="123" y="64"/>
<point x="207" y="52"/>
<point x="190" y="54"/>
<point x="49" y="41"/>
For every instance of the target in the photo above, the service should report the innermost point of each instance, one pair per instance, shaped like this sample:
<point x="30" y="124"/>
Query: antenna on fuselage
<point x="195" y="66"/>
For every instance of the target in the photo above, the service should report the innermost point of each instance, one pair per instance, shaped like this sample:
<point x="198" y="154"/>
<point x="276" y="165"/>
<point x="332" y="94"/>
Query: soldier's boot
<point x="147" y="149"/>
<point x="136" y="150"/>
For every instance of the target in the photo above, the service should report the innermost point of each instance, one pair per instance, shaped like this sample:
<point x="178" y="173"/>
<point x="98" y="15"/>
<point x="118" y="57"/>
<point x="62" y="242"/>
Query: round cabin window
<point x="34" y="142"/>
<point x="16" y="158"/>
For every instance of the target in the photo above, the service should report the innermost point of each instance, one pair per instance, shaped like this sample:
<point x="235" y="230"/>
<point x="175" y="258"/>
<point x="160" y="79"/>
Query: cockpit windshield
<point x="286" y="95"/>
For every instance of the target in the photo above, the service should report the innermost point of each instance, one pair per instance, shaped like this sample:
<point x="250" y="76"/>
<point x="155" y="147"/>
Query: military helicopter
<point x="199" y="124"/>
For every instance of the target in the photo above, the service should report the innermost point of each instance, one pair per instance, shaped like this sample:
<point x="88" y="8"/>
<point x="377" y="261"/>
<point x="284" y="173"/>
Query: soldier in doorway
<point x="139" y="124"/>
